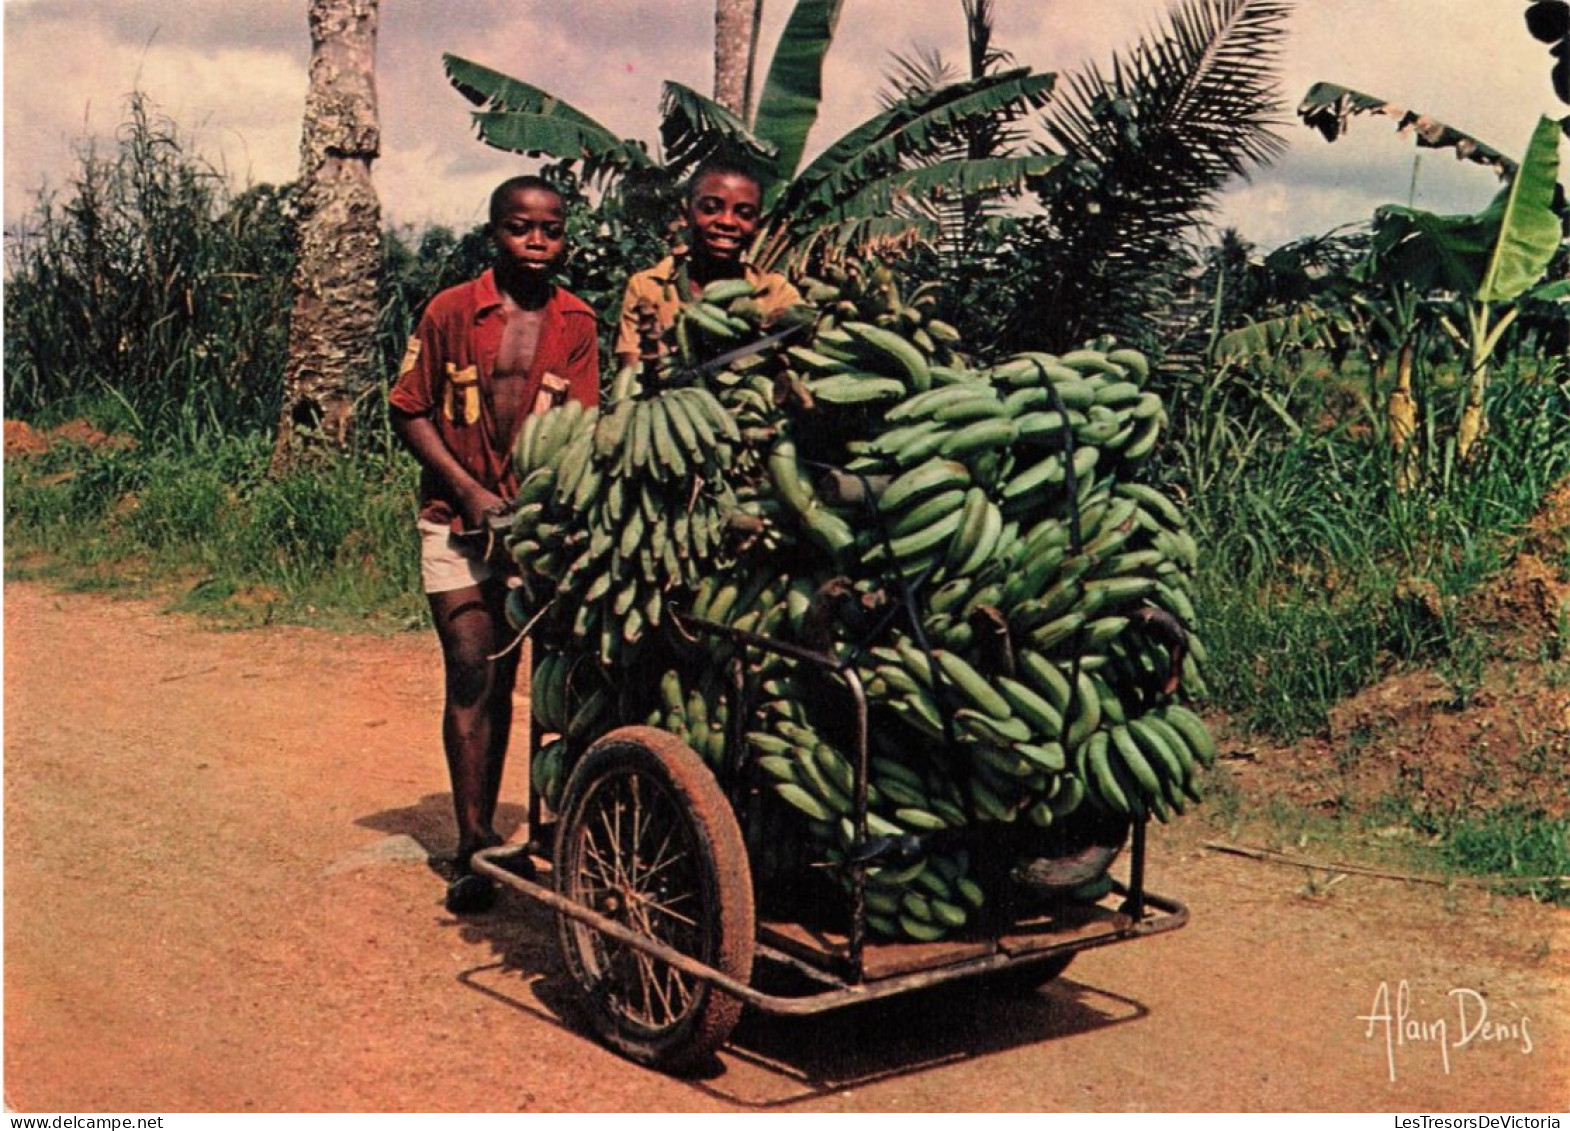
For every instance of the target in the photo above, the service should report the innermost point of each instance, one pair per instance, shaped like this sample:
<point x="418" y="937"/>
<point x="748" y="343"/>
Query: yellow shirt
<point x="659" y="286"/>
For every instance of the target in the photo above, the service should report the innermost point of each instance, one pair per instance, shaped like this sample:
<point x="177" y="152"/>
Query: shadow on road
<point x="429" y="821"/>
<point x="774" y="1061"/>
<point x="771" y="1061"/>
<point x="778" y="1061"/>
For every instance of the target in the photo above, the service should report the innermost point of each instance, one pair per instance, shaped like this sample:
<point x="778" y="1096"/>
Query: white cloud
<point x="238" y="108"/>
<point x="234" y="76"/>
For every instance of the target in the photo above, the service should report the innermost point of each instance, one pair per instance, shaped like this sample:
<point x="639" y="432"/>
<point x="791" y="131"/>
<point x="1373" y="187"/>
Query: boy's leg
<point x="477" y="713"/>
<point x="504" y="676"/>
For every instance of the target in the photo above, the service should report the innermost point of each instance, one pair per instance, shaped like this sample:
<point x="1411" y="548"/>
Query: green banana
<point x="898" y="357"/>
<point x="922" y="480"/>
<point x="971" y="684"/>
<point x="1194" y="732"/>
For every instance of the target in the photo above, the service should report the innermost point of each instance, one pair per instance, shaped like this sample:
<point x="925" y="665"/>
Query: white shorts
<point x="448" y="563"/>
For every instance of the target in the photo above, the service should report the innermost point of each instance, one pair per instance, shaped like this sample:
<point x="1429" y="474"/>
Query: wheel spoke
<point x="661" y="861"/>
<point x="650" y="974"/>
<point x="604" y="867"/>
<point x="638" y="822"/>
<point x="637" y="849"/>
<point x="608" y="820"/>
<point x="668" y="985"/>
<point x="667" y="908"/>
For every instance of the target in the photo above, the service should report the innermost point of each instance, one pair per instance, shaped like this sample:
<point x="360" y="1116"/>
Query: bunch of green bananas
<point x="569" y="698"/>
<point x="923" y="894"/>
<point x="699" y="714"/>
<point x="620" y="508"/>
<point x="976" y="540"/>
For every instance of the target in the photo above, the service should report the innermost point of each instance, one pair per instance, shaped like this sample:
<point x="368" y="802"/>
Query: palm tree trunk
<point x="735" y="49"/>
<point x="332" y="330"/>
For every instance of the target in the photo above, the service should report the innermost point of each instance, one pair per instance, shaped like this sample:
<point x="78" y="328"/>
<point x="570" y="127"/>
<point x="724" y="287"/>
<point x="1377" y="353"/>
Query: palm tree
<point x="1145" y="152"/>
<point x="332" y="331"/>
<point x="735" y="50"/>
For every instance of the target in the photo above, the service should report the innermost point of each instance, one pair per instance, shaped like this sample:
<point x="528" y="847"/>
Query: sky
<point x="232" y="77"/>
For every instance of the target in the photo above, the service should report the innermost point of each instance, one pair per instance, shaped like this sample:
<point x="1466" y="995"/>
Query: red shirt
<point x="447" y="371"/>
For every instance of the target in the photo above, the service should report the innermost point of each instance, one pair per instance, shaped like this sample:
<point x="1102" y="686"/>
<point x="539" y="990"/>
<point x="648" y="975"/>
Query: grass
<point x="1318" y="578"/>
<point x="333" y="544"/>
<point x="1513" y="851"/>
<point x="1516" y="845"/>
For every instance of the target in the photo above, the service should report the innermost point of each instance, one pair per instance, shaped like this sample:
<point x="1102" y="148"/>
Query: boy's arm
<point x="420" y="436"/>
<point x="626" y="347"/>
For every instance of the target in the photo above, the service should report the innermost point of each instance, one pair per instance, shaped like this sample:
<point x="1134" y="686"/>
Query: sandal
<point x="470" y="894"/>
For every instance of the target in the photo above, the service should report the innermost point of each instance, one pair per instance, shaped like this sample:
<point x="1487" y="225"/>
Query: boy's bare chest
<point x="514" y="358"/>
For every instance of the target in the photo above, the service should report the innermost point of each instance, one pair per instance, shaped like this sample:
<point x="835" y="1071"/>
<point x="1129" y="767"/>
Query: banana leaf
<point x="1557" y="291"/>
<point x="1307" y="326"/>
<point x="1327" y="108"/>
<point x="1529" y="229"/>
<point x="546" y="134"/>
<point x="793" y="88"/>
<point x="694" y="128"/>
<point x="521" y="118"/>
<point x="1492" y="256"/>
<point x="1428" y="251"/>
<point x="493" y="90"/>
<point x="915" y="127"/>
<point x="863" y="233"/>
<point x="957" y="179"/>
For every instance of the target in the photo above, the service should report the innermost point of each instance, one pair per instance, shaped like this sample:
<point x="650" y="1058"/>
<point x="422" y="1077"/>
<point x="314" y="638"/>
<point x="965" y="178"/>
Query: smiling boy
<point x="486" y="354"/>
<point x="723" y="210"/>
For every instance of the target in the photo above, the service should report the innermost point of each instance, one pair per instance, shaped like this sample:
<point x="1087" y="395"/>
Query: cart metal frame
<point x="847" y="968"/>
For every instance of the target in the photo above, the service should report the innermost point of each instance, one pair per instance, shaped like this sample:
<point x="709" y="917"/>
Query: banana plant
<point x="1492" y="260"/>
<point x="845" y="196"/>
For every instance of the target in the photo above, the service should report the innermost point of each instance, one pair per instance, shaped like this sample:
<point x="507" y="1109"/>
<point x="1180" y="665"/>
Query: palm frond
<point x="914" y="76"/>
<point x="694" y="128"/>
<point x="1190" y="109"/>
<point x="1148" y="144"/>
<point x="978" y="28"/>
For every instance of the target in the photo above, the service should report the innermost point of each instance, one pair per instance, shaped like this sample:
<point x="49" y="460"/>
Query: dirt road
<point x="219" y="896"/>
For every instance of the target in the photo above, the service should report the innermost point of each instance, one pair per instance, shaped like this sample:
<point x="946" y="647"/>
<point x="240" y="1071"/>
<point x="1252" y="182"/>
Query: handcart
<point x="649" y="867"/>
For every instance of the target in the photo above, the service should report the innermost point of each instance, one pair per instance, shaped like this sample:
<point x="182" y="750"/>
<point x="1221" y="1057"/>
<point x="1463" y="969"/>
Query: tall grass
<point x="1319" y="577"/>
<point x="151" y="300"/>
<point x="334" y="543"/>
<point x="150" y="297"/>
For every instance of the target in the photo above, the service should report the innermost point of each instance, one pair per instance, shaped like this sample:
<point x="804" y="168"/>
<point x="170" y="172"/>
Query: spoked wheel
<point x="648" y="839"/>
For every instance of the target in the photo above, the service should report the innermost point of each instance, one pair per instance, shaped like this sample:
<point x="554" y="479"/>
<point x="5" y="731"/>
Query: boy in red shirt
<point x="486" y="354"/>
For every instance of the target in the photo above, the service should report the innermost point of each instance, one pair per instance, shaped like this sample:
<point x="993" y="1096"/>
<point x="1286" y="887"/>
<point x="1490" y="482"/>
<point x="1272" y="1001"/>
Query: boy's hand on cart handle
<point x="478" y="507"/>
